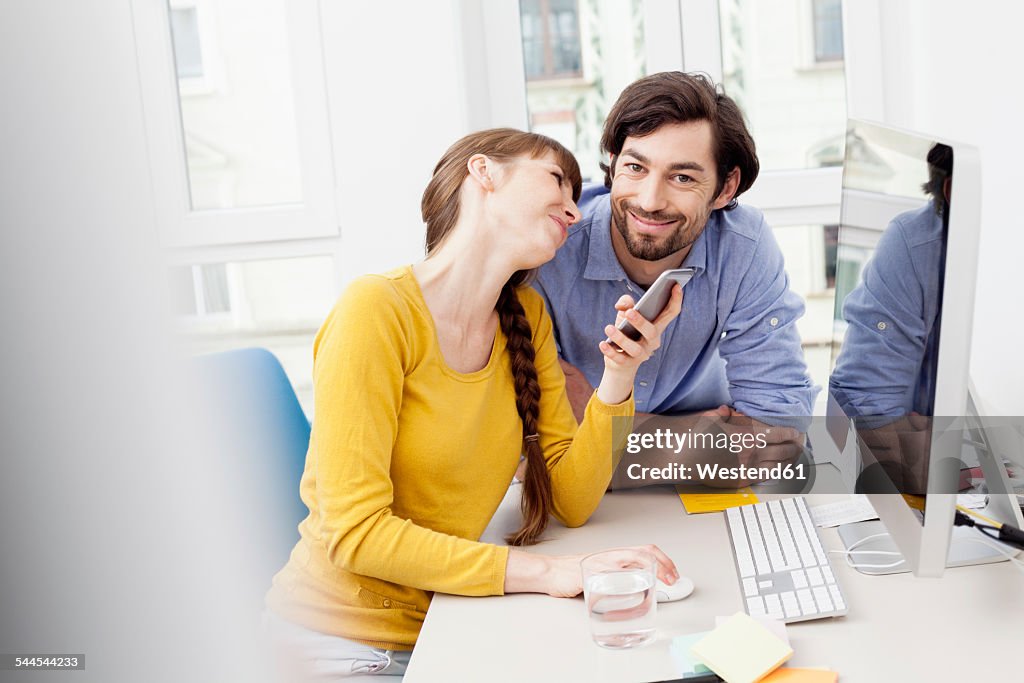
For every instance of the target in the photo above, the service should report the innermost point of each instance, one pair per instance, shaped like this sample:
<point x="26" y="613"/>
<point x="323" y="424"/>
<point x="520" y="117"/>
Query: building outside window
<point x="551" y="38"/>
<point x="828" y="30"/>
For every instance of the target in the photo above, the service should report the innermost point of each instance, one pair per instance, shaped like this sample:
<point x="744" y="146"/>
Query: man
<point x="679" y="156"/>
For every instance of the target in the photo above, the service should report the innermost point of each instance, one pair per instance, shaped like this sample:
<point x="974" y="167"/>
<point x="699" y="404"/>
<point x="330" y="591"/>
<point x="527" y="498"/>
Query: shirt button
<point x="643" y="384"/>
<point x="387" y="603"/>
<point x="773" y="322"/>
<point x="882" y="325"/>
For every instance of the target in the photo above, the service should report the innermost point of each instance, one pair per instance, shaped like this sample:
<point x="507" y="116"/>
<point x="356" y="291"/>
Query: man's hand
<point x="781" y="444"/>
<point x="578" y="389"/>
<point x="901" y="448"/>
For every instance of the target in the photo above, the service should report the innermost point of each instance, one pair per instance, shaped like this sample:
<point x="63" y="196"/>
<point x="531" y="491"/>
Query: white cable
<point x="849" y="551"/>
<point x="985" y="541"/>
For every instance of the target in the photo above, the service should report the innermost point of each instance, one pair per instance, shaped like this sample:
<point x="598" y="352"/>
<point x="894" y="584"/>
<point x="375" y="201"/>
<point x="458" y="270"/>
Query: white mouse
<point x="677" y="591"/>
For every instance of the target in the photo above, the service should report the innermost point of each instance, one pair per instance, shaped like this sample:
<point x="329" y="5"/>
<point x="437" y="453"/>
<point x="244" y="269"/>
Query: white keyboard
<point x="784" y="571"/>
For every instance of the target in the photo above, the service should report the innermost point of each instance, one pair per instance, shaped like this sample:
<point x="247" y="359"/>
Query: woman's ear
<point x="479" y="170"/>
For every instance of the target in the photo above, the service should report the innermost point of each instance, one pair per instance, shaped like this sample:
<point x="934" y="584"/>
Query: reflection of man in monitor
<point x="885" y="374"/>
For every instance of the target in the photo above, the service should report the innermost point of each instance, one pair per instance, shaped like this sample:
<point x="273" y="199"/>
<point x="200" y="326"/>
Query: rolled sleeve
<point x="761" y="347"/>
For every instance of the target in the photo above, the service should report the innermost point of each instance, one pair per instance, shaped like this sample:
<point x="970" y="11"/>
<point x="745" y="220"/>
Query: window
<point x="188" y="55"/>
<point x="828" y="30"/>
<point x="796" y="114"/>
<point x="572" y="110"/>
<point x="246" y="119"/>
<point x="551" y="38"/>
<point x="234" y="95"/>
<point x="200" y="291"/>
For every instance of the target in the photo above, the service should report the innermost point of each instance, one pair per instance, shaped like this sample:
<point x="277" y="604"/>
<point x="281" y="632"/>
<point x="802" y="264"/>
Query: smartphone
<point x="654" y="300"/>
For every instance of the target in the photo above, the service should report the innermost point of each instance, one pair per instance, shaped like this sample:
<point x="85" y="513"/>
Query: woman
<point x="430" y="381"/>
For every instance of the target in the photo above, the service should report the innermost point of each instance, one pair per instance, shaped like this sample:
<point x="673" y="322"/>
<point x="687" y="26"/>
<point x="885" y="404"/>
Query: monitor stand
<point x="963" y="550"/>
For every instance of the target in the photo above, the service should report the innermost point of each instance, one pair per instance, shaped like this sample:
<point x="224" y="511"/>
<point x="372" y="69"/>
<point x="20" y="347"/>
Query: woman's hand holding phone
<point x="622" y="360"/>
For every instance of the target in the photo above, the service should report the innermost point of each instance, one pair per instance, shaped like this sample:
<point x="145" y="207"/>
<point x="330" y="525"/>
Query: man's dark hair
<point x="940" y="168"/>
<point x="676" y="97"/>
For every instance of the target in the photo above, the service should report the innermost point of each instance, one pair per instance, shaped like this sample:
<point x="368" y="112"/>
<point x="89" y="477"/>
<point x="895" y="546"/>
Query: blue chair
<point x="262" y="435"/>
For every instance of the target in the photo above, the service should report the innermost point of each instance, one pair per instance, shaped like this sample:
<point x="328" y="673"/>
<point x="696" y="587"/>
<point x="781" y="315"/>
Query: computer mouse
<point x="677" y="591"/>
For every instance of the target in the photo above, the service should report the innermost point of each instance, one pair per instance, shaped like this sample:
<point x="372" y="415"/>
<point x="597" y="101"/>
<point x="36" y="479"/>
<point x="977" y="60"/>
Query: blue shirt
<point x="735" y="341"/>
<point x="886" y="367"/>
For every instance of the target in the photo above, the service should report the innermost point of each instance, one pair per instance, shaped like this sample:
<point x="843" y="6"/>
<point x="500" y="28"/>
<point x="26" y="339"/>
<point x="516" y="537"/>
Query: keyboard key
<point x="755" y="606"/>
<point x="744" y="559"/>
<point x="773" y="603"/>
<point x="764" y="584"/>
<point x="837" y="597"/>
<point x="790" y="604"/>
<point x="815" y="577"/>
<point x="806" y="601"/>
<point x="822" y="598"/>
<point x="829" y="576"/>
<point x="756" y="542"/>
<point x="799" y="578"/>
<point x="749" y="587"/>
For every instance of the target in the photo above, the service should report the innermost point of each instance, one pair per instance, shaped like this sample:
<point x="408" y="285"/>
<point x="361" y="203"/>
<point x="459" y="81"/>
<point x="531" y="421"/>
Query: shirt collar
<point x="603" y="264"/>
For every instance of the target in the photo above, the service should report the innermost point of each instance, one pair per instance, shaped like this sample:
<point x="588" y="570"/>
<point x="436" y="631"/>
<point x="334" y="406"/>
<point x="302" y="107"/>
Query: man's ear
<point x="732" y="183"/>
<point x="479" y="170"/>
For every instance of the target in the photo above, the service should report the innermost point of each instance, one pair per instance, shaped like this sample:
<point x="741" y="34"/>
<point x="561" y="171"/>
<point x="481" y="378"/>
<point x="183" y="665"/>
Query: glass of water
<point x="618" y="586"/>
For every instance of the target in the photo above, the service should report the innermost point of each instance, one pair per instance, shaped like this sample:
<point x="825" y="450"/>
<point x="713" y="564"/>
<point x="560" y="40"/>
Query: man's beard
<point x="657" y="247"/>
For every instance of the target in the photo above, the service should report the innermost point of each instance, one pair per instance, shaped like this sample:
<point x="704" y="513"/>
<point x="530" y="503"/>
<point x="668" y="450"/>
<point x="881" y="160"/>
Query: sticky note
<point x="696" y="503"/>
<point x="774" y="625"/>
<point x="741" y="650"/>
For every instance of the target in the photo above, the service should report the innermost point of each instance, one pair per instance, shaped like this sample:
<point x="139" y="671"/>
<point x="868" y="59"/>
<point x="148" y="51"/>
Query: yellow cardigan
<point x="408" y="460"/>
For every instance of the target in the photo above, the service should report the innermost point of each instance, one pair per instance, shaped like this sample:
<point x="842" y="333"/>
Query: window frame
<point x="180" y="226"/>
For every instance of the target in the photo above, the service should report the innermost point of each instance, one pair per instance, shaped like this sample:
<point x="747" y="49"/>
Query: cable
<point x="974" y="513"/>
<point x="1009" y="535"/>
<point x="849" y="551"/>
<point x="1017" y="563"/>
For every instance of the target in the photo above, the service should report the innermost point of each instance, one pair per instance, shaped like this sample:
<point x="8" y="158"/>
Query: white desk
<point x="967" y="624"/>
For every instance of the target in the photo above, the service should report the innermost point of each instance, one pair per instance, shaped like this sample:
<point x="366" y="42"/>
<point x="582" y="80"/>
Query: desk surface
<point x="899" y="628"/>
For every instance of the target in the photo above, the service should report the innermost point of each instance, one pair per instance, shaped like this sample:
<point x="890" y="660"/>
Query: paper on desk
<point x="856" y="509"/>
<point x="972" y="501"/>
<point x="696" y="503"/>
<point x="685" y="662"/>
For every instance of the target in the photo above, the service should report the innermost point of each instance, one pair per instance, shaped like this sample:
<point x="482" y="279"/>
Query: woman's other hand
<point x="562" y="576"/>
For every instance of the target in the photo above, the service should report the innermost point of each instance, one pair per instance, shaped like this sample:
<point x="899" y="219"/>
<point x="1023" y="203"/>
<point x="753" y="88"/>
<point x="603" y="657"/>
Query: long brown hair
<point x="440" y="209"/>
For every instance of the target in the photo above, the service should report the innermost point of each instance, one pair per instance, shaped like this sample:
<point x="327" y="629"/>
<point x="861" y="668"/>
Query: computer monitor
<point x="906" y="264"/>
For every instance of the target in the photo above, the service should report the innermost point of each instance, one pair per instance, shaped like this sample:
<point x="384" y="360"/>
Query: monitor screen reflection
<point x="890" y="267"/>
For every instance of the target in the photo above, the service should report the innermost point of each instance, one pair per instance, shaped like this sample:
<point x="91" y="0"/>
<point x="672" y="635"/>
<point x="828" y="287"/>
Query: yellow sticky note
<point x="741" y="650"/>
<point x="789" y="675"/>
<point x="715" y="502"/>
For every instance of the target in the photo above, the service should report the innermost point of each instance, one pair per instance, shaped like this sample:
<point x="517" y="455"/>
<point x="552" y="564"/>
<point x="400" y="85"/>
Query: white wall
<point x="950" y="69"/>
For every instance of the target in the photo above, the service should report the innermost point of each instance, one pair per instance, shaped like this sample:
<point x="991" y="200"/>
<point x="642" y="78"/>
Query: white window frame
<point x="181" y="227"/>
